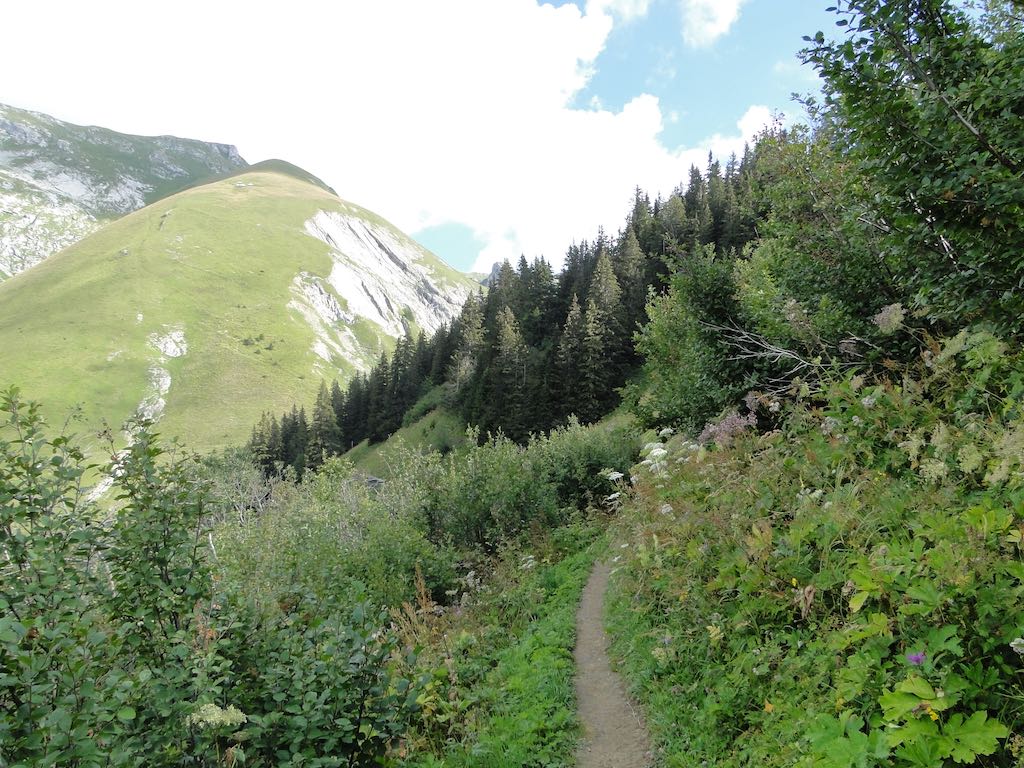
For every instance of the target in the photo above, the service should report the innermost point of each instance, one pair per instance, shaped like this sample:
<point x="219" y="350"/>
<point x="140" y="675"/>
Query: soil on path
<point x="614" y="735"/>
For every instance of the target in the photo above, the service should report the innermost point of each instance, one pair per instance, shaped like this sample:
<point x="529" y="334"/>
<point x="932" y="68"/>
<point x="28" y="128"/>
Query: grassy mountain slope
<point x="439" y="430"/>
<point x="60" y="181"/>
<point x="215" y="304"/>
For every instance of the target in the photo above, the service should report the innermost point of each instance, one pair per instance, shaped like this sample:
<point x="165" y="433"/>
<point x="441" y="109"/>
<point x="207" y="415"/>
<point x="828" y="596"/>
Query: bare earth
<point x="613" y="733"/>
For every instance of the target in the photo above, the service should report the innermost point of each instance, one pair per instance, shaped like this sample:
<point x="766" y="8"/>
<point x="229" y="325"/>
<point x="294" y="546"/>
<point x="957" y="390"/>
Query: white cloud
<point x="627" y="10"/>
<point x="426" y="113"/>
<point x="704" y="21"/>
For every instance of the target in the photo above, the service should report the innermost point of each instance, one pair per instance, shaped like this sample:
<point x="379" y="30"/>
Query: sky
<point x="484" y="128"/>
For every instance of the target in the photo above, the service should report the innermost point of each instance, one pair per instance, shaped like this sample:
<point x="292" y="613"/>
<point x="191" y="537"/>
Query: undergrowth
<point x="842" y="591"/>
<point x="502" y="693"/>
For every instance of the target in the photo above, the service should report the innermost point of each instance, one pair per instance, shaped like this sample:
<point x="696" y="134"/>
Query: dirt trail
<point x="613" y="733"/>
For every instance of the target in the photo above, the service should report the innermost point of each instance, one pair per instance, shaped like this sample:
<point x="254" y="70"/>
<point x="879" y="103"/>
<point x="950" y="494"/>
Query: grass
<point x="512" y="665"/>
<point x="218" y="261"/>
<point x="109" y="156"/>
<point x="439" y="430"/>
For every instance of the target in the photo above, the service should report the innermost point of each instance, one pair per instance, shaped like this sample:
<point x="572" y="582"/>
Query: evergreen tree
<point x="595" y="379"/>
<point x="569" y="358"/>
<point x="470" y="343"/>
<point x="377" y="400"/>
<point x="631" y="272"/>
<point x="324" y="435"/>
<point x="606" y="295"/>
<point x="506" y="396"/>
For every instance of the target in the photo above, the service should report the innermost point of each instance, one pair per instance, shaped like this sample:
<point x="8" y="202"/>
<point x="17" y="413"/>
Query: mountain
<point x="212" y="305"/>
<point x="59" y="182"/>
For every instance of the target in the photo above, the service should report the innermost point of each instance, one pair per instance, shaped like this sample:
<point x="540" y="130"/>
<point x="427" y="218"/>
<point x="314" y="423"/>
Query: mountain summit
<point x="214" y="304"/>
<point x="59" y="182"/>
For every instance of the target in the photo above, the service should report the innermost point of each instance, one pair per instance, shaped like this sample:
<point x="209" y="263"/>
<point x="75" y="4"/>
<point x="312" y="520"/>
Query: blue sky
<point x="702" y="90"/>
<point x="707" y="87"/>
<point x="485" y="128"/>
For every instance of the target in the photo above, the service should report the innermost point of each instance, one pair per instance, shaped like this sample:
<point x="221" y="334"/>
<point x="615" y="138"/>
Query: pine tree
<point x="506" y="396"/>
<point x="606" y="295"/>
<point x="324" y="435"/>
<point x="377" y="400"/>
<point x="595" y="379"/>
<point x="470" y="343"/>
<point x="631" y="271"/>
<point x="569" y="359"/>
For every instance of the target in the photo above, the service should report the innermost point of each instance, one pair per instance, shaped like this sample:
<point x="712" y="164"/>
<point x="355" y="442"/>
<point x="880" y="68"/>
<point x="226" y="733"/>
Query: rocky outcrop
<point x="59" y="182"/>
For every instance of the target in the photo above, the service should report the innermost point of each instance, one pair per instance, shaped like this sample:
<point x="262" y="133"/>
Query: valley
<point x="738" y="482"/>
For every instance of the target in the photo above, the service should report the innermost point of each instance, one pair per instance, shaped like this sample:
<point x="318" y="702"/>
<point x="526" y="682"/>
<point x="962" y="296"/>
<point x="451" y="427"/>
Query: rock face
<point x="207" y="308"/>
<point x="59" y="182"/>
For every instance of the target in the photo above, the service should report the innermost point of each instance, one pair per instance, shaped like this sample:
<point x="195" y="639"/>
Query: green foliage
<point x="687" y="377"/>
<point x="124" y="645"/>
<point x="845" y="591"/>
<point x="930" y="99"/>
<point x="499" y="490"/>
<point x="61" y="693"/>
<point x="505" y="696"/>
<point x="333" y="539"/>
<point x="494" y="492"/>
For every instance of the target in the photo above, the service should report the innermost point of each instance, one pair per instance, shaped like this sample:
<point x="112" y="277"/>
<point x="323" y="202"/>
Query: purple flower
<point x="917" y="659"/>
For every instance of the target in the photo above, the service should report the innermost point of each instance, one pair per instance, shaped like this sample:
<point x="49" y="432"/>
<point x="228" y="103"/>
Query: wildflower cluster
<point x="728" y="428"/>
<point x="890" y="318"/>
<point x="842" y="553"/>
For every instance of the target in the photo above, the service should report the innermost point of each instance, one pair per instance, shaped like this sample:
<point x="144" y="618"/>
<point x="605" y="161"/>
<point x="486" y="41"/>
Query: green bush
<point x="847" y="591"/>
<point x="493" y="492"/>
<point x="572" y="459"/>
<point x="687" y="376"/>
<point x="498" y="491"/>
<point x="123" y="645"/>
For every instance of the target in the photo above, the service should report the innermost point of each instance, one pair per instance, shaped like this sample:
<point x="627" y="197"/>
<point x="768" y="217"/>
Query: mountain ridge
<point x="60" y="181"/>
<point x="208" y="305"/>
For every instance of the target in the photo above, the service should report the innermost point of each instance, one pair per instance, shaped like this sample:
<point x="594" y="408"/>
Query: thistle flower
<point x="917" y="658"/>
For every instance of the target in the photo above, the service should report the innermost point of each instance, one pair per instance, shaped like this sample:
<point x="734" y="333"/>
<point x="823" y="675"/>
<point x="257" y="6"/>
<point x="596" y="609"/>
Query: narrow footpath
<point x="614" y="736"/>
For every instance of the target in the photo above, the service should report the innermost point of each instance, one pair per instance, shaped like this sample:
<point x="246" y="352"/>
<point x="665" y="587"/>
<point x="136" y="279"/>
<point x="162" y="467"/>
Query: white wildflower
<point x="614" y="475"/>
<point x="890" y="319"/>
<point x="209" y="715"/>
<point x="869" y="401"/>
<point x="1017" y="644"/>
<point x="666" y="432"/>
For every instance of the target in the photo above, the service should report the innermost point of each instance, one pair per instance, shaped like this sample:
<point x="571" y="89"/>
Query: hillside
<point x="211" y="305"/>
<point x="59" y="181"/>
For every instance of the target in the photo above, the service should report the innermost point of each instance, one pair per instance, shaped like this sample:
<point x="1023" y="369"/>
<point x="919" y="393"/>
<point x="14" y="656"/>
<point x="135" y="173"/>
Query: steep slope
<point x="213" y="305"/>
<point x="59" y="182"/>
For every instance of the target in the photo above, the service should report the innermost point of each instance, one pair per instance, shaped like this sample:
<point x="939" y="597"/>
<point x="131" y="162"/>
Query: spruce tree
<point x="595" y="379"/>
<point x="470" y="343"/>
<point x="631" y="271"/>
<point x="324" y="435"/>
<point x="569" y="359"/>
